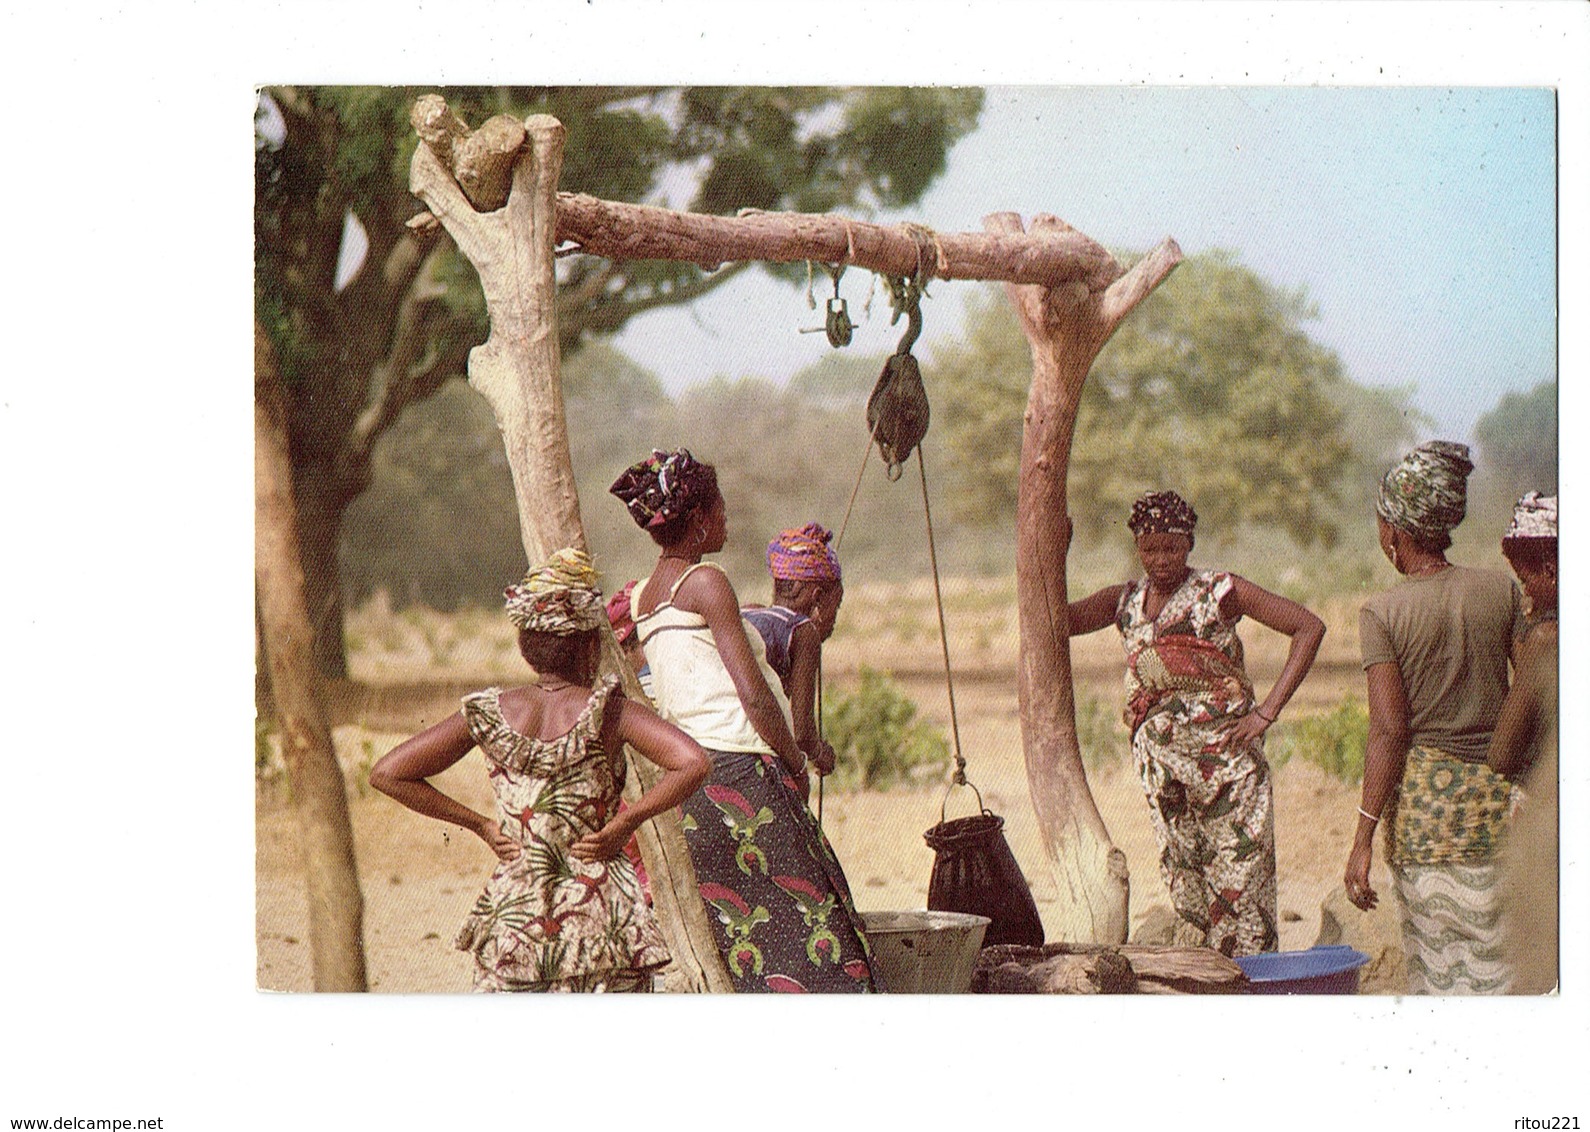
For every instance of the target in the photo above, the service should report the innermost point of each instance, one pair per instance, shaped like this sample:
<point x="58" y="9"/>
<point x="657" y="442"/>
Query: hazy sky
<point x="1421" y="221"/>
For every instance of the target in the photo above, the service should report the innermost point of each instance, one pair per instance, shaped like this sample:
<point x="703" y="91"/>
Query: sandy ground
<point x="420" y="878"/>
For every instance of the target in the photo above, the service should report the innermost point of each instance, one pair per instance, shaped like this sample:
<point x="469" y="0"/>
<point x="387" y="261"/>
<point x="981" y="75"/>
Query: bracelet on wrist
<point x="1372" y="817"/>
<point x="1267" y="718"/>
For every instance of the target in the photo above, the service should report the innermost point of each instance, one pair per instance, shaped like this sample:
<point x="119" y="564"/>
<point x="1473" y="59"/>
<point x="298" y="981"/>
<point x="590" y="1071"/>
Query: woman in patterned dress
<point x="563" y="910"/>
<point x="1197" y="726"/>
<point x="763" y="865"/>
<point x="1435" y="654"/>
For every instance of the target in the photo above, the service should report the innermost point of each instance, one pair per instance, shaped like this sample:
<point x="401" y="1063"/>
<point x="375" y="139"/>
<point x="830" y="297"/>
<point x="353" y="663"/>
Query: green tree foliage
<point x="1518" y="441"/>
<point x="1211" y="387"/>
<point x="1335" y="742"/>
<point x="356" y="352"/>
<point x="1515" y="451"/>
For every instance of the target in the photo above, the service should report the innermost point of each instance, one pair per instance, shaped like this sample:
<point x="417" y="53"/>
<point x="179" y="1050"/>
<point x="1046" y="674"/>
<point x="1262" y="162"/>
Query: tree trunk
<point x="336" y="908"/>
<point x="319" y="527"/>
<point x="1066" y="327"/>
<point x="517" y="370"/>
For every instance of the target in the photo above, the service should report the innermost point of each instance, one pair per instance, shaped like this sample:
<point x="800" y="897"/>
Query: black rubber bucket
<point x="975" y="872"/>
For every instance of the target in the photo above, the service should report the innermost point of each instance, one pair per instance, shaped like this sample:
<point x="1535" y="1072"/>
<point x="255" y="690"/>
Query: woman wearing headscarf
<point x="1435" y="651"/>
<point x="1524" y="750"/>
<point x="807" y="593"/>
<point x="763" y="865"/>
<point x="1197" y="725"/>
<point x="563" y="910"/>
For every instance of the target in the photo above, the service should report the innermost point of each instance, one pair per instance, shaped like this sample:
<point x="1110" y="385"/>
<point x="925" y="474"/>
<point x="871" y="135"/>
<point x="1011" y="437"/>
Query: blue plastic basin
<point x="1319" y="970"/>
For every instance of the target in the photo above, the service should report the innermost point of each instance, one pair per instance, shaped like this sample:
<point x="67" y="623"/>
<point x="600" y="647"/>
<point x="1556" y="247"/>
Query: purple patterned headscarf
<point x="803" y="555"/>
<point x="664" y="486"/>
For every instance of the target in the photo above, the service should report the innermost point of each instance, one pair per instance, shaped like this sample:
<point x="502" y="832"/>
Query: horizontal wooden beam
<point x="636" y="231"/>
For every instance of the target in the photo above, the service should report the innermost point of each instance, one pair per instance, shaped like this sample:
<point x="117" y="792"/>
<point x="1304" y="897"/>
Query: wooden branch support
<point x="637" y="231"/>
<point x="518" y="371"/>
<point x="1066" y="327"/>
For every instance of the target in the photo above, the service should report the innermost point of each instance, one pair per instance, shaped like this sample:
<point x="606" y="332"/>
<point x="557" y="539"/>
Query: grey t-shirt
<point x="1449" y="634"/>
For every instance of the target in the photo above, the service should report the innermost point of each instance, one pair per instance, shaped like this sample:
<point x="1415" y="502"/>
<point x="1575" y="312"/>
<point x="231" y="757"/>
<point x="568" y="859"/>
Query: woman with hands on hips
<point x="1197" y="726"/>
<point x="563" y="910"/>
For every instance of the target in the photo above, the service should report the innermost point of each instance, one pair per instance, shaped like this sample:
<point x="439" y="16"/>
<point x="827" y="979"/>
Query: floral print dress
<point x="1211" y="807"/>
<point x="548" y="921"/>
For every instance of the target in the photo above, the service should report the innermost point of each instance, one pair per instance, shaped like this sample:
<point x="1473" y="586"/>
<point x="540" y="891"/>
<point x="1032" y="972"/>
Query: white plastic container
<point x="922" y="952"/>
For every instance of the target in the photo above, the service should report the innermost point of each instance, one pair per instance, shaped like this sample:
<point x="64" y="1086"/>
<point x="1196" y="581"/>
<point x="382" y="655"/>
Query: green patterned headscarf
<point x="1426" y="494"/>
<point x="560" y="596"/>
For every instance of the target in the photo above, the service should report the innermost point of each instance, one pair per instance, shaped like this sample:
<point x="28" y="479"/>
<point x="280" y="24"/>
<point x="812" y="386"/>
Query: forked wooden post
<point x="517" y="369"/>
<point x="1066" y="327"/>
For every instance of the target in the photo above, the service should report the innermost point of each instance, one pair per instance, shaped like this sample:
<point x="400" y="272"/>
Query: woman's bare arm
<point x="401" y="774"/>
<point x="1094" y="612"/>
<point x="1384" y="758"/>
<point x="1284" y="616"/>
<point x="685" y="767"/>
<point x="1520" y="716"/>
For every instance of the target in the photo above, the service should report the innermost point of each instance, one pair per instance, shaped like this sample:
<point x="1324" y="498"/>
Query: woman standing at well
<point x="764" y="867"/>
<point x="1197" y="726"/>
<point x="1435" y="651"/>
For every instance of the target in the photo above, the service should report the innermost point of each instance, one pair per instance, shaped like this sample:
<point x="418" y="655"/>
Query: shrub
<point x="877" y="736"/>
<point x="1335" y="742"/>
<point x="1100" y="733"/>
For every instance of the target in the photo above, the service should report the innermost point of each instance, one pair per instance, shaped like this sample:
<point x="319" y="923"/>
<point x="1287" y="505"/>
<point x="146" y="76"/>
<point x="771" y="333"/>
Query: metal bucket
<point x="922" y="952"/>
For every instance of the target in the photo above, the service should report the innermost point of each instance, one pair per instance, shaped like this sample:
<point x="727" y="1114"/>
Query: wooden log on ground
<point x="1077" y="968"/>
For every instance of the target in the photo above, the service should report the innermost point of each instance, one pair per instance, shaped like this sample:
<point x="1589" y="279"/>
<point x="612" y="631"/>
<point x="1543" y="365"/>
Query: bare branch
<point x="393" y="379"/>
<point x="1133" y="287"/>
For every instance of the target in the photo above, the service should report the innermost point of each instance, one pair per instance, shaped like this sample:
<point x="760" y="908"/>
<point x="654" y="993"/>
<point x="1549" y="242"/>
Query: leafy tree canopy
<point x="1518" y="441"/>
<point x="1210" y="388"/>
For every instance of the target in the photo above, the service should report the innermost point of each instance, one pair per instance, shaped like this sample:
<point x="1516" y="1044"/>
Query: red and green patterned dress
<point x="548" y="921"/>
<point x="766" y="872"/>
<point x="1211" y="807"/>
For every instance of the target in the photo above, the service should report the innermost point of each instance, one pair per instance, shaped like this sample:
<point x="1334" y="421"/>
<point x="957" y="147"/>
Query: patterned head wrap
<point x="1162" y="512"/>
<point x="1534" y="516"/>
<point x="618" y="613"/>
<point x="664" y="486"/>
<point x="560" y="596"/>
<point x="803" y="555"/>
<point x="1427" y="493"/>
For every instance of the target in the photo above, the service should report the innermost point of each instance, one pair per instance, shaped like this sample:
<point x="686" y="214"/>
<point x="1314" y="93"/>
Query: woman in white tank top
<point x="763" y="865"/>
